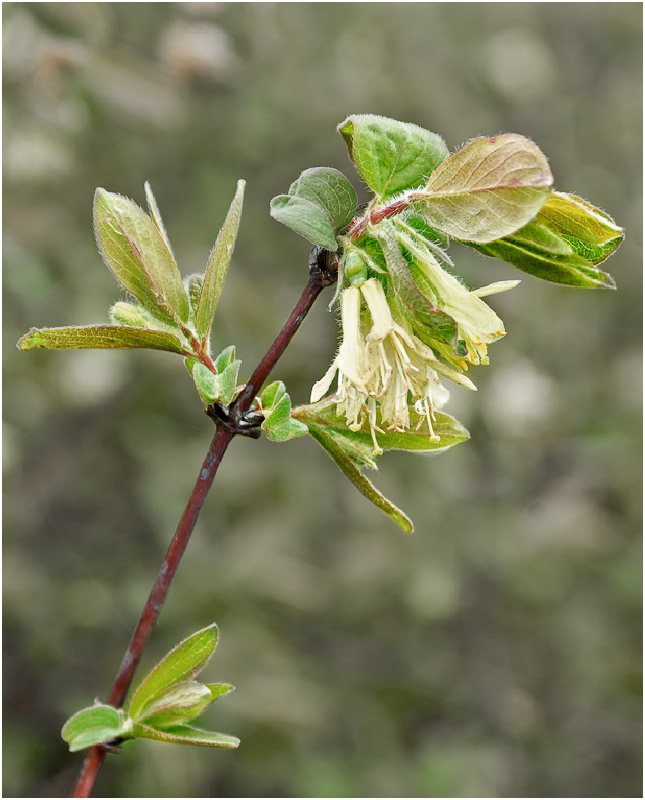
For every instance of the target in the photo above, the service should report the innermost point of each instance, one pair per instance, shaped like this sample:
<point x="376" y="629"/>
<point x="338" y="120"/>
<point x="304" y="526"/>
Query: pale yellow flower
<point x="478" y="324"/>
<point x="383" y="368"/>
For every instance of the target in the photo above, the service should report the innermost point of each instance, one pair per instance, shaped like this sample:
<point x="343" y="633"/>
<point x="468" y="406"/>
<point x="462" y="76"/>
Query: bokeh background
<point x="497" y="651"/>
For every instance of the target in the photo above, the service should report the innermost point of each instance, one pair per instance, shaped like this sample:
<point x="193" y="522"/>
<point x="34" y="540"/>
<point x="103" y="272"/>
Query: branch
<point x="320" y="275"/>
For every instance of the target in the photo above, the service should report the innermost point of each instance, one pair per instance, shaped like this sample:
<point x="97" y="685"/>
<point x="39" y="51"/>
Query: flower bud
<point x="355" y="268"/>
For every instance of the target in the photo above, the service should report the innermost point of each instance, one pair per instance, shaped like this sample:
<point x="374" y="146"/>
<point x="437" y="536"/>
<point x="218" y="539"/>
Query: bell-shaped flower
<point x="383" y="368"/>
<point x="478" y="324"/>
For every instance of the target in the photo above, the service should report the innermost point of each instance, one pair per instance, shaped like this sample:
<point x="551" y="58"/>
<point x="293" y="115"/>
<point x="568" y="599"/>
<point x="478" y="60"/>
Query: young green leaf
<point x="100" y="337"/>
<point x="186" y="734"/>
<point x="218" y="690"/>
<point x="205" y="380"/>
<point x="220" y="388"/>
<point x="486" y="190"/>
<point x="390" y="155"/>
<point x="130" y="314"/>
<point x="226" y="384"/>
<point x="304" y="218"/>
<point x="330" y="190"/>
<point x="136" y="253"/>
<point x="278" y="423"/>
<point x="564" y="243"/>
<point x="182" y="663"/>
<point x="180" y="703"/>
<point x="333" y="446"/>
<point x="93" y="725"/>
<point x="320" y="203"/>
<point x="448" y="431"/>
<point x="218" y="263"/>
<point x="193" y="285"/>
<point x="155" y="215"/>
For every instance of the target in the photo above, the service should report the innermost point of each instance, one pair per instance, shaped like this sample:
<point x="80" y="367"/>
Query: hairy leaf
<point x="329" y="189"/>
<point x="155" y="215"/>
<point x="180" y="703"/>
<point x="186" y="734"/>
<point x="564" y="243"/>
<point x="486" y="190"/>
<point x="319" y="204"/>
<point x="305" y="218"/>
<point x="278" y="424"/>
<point x="93" y="725"/>
<point x="390" y="155"/>
<point x="333" y="446"/>
<point x="136" y="253"/>
<point x="218" y="263"/>
<point x="220" y="388"/>
<point x="182" y="663"/>
<point x="449" y="431"/>
<point x="218" y="690"/>
<point x="100" y="337"/>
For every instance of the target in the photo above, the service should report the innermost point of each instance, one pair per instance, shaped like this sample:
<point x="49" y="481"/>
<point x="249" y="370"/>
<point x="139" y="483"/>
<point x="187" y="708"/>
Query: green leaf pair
<point x="320" y="203"/>
<point x="162" y="705"/>
<point x="279" y="424"/>
<point x="168" y="315"/>
<point x="352" y="450"/>
<point x="221" y="387"/>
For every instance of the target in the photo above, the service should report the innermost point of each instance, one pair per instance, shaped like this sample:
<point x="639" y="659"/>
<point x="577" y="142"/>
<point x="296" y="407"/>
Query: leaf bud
<point x="123" y="313"/>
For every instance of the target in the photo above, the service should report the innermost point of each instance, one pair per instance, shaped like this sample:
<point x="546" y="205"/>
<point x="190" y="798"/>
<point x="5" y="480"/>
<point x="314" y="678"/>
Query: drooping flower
<point x="479" y="325"/>
<point x="391" y="356"/>
<point x="383" y="368"/>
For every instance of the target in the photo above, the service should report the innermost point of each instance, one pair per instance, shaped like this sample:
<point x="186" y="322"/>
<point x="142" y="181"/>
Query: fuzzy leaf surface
<point x="155" y="216"/>
<point x="449" y="430"/>
<point x="390" y="155"/>
<point x="186" y="734"/>
<point x="220" y="388"/>
<point x="564" y="244"/>
<point x="486" y="190"/>
<point x="134" y="250"/>
<point x="180" y="703"/>
<point x="182" y="663"/>
<point x="329" y="189"/>
<point x="100" y="337"/>
<point x="333" y="446"/>
<point x="278" y="423"/>
<point x="319" y="204"/>
<point x="218" y="690"/>
<point x="218" y="264"/>
<point x="93" y="725"/>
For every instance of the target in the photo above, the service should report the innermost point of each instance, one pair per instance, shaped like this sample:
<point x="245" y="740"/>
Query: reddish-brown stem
<point x="311" y="291"/>
<point x="358" y="226"/>
<point x="221" y="440"/>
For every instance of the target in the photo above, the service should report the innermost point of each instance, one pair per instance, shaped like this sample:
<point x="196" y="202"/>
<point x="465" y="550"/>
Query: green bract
<point x="161" y="705"/>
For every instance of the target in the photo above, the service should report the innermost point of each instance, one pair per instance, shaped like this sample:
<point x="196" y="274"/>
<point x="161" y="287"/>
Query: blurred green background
<point x="496" y="652"/>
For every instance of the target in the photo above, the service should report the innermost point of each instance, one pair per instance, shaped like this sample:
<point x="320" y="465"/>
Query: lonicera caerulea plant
<point x="409" y="328"/>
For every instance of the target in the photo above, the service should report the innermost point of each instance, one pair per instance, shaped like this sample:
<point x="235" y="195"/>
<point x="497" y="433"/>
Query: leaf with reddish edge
<point x="100" y="337"/>
<point x="487" y="190"/>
